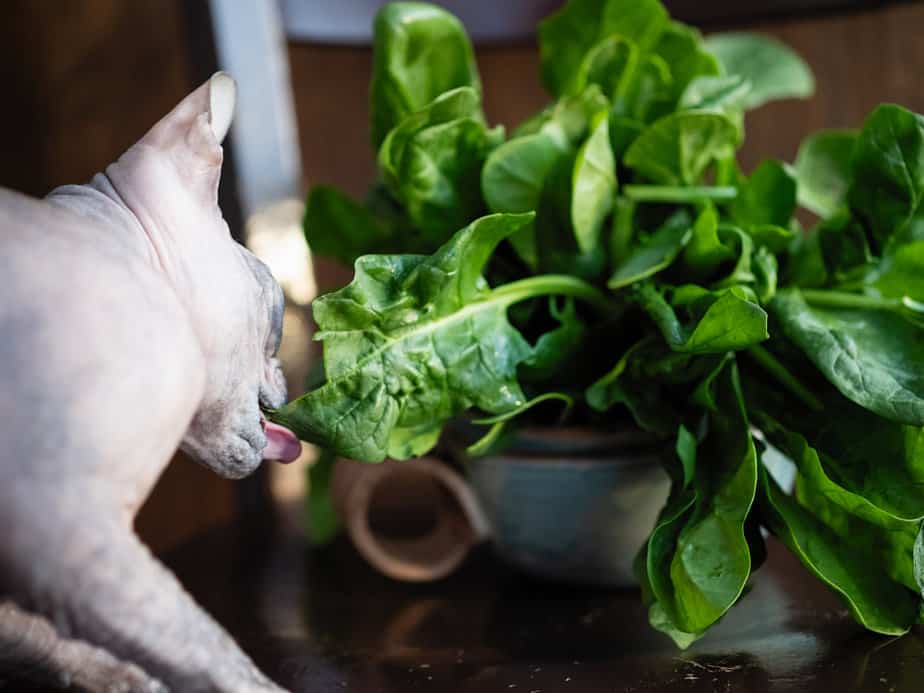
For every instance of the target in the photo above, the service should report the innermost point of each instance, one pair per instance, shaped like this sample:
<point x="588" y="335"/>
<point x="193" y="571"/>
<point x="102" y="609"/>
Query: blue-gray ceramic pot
<point x="572" y="505"/>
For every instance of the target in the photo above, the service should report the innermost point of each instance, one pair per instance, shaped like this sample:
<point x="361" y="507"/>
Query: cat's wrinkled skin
<point x="130" y="324"/>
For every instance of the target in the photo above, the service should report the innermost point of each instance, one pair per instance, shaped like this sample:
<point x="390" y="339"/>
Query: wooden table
<point x="324" y="621"/>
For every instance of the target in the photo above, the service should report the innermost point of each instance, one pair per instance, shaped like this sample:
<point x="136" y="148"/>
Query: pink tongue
<point x="281" y="443"/>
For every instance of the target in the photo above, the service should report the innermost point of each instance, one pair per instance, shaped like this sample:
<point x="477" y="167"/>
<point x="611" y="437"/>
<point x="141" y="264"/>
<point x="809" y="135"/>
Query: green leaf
<point x="486" y="443"/>
<point x="823" y="170"/>
<point x="719" y="321"/>
<point x="765" y="275"/>
<point x="698" y="556"/>
<point x="653" y="382"/>
<point x="323" y="524"/>
<point x="774" y="70"/>
<point x="877" y="602"/>
<point x="411" y="342"/>
<point x="873" y="357"/>
<point x="651" y="257"/>
<point x="336" y="226"/>
<point x="608" y="64"/>
<point x="768" y="196"/>
<point x="594" y="187"/>
<point x="727" y="93"/>
<point x="705" y="252"/>
<point x="419" y="52"/>
<point x="515" y="172"/>
<point x="888" y="175"/>
<point x="683" y="50"/>
<point x="567" y="35"/>
<point x="677" y="148"/>
<point x="555" y="348"/>
<point x="432" y="163"/>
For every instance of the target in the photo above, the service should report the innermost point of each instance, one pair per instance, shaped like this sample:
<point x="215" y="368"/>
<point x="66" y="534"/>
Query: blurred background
<point x="83" y="79"/>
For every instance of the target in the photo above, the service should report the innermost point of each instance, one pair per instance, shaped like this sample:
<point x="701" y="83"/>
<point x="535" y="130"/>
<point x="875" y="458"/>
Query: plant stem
<point x="769" y="363"/>
<point x="844" y="299"/>
<point x="553" y="284"/>
<point x="679" y="193"/>
<point x="622" y="230"/>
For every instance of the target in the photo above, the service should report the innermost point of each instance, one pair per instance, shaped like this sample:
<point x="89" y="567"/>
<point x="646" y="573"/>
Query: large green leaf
<point x="411" y="342"/>
<point x="677" y="148"/>
<point x="874" y="357"/>
<point x="698" y="559"/>
<point x="774" y="70"/>
<point x="420" y="51"/>
<point x="874" y="599"/>
<point x="888" y="174"/>
<point x="823" y="170"/>
<point x="567" y="35"/>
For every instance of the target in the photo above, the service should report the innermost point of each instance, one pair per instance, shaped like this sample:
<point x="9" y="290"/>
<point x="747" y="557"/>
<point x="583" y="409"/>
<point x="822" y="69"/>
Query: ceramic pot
<point x="564" y="504"/>
<point x="572" y="505"/>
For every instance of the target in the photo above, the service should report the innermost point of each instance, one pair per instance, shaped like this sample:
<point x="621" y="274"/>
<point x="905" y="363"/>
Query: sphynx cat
<point x="131" y="324"/>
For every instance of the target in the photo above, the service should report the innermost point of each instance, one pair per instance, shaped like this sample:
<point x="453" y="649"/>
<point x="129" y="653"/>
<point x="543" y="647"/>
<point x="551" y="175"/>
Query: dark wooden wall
<point x="82" y="79"/>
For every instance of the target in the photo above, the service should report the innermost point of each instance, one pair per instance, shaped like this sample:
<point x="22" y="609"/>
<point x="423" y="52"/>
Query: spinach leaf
<point x="677" y="148"/>
<point x="567" y="35"/>
<point x="768" y="196"/>
<point x="891" y="548"/>
<point x="888" y="175"/>
<point x="419" y="52"/>
<point x="594" y="187"/>
<point x="555" y="348"/>
<point x="719" y="321"/>
<point x="873" y="357"/>
<point x="657" y="253"/>
<point x="432" y="163"/>
<point x="726" y="93"/>
<point x="705" y="252"/>
<point x="901" y="271"/>
<point x="877" y="602"/>
<point x="609" y="64"/>
<point x="409" y="343"/>
<point x="823" y="170"/>
<point x="698" y="559"/>
<point x="683" y="50"/>
<point x="338" y="227"/>
<point x="514" y="173"/>
<point x="772" y="68"/>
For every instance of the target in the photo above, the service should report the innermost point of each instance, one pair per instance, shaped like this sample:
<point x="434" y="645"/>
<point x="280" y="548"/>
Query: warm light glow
<point x="274" y="234"/>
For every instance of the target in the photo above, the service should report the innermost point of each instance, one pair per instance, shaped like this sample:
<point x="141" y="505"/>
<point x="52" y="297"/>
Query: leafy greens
<point x="611" y="255"/>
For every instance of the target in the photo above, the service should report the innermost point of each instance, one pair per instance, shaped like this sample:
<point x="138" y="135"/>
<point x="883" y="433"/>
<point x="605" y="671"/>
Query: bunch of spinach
<point x="611" y="254"/>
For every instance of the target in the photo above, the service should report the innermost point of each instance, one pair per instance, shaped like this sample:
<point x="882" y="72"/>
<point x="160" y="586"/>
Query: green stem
<point x="552" y="284"/>
<point x="843" y="299"/>
<point x="769" y="363"/>
<point x="622" y="230"/>
<point x="679" y="193"/>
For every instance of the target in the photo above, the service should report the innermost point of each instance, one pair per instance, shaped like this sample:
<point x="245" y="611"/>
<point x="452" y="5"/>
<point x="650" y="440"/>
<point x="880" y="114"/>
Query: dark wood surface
<point x="323" y="621"/>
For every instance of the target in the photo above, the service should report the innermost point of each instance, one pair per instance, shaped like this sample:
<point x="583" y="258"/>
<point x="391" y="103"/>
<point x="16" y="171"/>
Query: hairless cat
<point x="130" y="324"/>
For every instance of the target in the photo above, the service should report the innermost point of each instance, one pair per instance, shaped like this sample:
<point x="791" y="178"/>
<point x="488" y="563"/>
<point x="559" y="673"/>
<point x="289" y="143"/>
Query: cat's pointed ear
<point x="222" y="97"/>
<point x="171" y="175"/>
<point x="191" y="134"/>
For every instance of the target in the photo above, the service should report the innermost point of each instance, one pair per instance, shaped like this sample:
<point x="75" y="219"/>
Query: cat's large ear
<point x="187" y="141"/>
